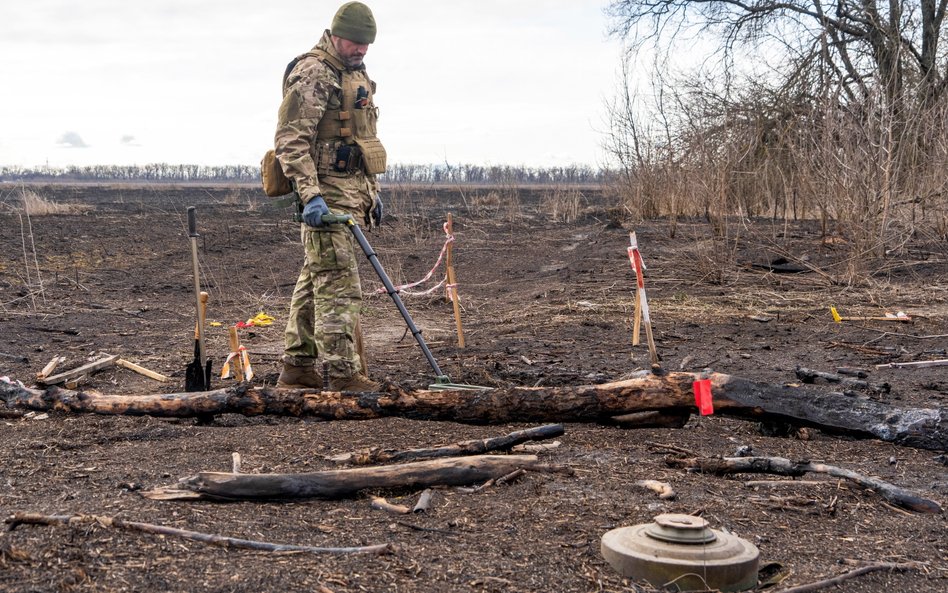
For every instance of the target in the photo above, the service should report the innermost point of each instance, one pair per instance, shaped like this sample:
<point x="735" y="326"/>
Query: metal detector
<point x="442" y="381"/>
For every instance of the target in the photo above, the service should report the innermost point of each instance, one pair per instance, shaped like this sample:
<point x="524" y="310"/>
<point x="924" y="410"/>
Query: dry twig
<point x="831" y="582"/>
<point x="207" y="538"/>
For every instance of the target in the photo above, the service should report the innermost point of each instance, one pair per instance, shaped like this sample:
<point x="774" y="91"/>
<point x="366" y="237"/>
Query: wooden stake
<point x="916" y="364"/>
<point x="840" y="318"/>
<point x="637" y="319"/>
<point x="141" y="370"/>
<point x="638" y="266"/>
<point x="381" y="504"/>
<point x="78" y="372"/>
<point x="234" y="344"/>
<point x="50" y="367"/>
<point x="452" y="289"/>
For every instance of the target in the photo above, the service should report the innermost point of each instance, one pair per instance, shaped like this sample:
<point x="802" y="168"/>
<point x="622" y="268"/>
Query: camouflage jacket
<point x="309" y="89"/>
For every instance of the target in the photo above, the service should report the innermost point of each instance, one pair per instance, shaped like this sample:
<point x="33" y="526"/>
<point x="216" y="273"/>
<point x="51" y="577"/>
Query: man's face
<point x="350" y="51"/>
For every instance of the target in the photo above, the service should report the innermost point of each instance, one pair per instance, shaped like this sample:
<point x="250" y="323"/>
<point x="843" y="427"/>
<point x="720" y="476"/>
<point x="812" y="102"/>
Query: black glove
<point x="375" y="214"/>
<point x="314" y="210"/>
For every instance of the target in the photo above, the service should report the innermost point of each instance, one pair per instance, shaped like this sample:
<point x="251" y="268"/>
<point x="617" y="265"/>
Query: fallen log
<point x="345" y="482"/>
<point x="925" y="428"/>
<point x="784" y="467"/>
<point x="376" y="455"/>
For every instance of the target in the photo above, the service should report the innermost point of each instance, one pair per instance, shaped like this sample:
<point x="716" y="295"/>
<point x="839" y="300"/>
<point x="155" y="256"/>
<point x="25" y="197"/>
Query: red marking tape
<point x="702" y="391"/>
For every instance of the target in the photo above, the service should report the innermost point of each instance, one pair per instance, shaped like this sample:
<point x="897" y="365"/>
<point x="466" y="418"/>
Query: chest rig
<point x="346" y="137"/>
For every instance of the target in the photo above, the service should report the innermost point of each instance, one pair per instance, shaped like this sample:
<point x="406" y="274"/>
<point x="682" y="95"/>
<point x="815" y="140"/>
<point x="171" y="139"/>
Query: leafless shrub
<point x="874" y="177"/>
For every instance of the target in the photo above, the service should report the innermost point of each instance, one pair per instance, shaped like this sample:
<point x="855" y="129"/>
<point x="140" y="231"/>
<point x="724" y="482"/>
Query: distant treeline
<point x="414" y="174"/>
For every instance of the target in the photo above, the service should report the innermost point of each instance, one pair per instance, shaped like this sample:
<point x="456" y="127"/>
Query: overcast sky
<point x="186" y="81"/>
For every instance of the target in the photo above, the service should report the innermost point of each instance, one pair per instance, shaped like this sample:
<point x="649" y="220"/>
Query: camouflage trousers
<point x="324" y="309"/>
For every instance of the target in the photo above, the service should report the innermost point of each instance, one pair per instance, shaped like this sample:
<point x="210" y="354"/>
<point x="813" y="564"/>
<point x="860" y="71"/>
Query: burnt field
<point x="547" y="300"/>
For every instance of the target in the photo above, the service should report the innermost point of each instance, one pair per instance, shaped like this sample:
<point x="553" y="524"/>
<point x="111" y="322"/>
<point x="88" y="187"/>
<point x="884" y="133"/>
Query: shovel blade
<point x="194" y="377"/>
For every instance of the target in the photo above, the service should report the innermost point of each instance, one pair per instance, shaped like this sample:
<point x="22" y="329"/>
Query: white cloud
<point x="71" y="140"/>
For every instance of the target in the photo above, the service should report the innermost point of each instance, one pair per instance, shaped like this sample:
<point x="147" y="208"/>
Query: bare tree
<point x="897" y="43"/>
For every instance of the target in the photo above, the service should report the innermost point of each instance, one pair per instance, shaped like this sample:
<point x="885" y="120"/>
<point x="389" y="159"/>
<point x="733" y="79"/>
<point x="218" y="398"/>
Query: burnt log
<point x="785" y="467"/>
<point x="332" y="484"/>
<point x="472" y="447"/>
<point x="925" y="428"/>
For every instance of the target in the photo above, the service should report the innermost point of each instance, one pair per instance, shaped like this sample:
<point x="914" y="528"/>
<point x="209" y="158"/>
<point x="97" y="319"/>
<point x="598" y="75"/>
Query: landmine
<point x="682" y="551"/>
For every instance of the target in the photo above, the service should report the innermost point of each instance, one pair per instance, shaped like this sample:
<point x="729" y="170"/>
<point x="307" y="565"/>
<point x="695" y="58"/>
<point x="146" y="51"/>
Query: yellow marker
<point x="261" y="319"/>
<point x="836" y="316"/>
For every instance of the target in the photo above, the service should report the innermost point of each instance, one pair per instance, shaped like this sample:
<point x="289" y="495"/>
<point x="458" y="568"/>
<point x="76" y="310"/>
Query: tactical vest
<point x="346" y="138"/>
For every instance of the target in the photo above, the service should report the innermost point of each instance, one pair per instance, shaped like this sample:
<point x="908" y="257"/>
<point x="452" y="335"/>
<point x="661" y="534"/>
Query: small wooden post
<point x="637" y="319"/>
<point x="641" y="300"/>
<point x="451" y="290"/>
<point x="234" y="342"/>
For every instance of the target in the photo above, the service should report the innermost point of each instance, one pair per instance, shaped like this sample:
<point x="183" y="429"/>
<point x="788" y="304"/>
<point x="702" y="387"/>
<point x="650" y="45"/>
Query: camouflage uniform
<point x="324" y="310"/>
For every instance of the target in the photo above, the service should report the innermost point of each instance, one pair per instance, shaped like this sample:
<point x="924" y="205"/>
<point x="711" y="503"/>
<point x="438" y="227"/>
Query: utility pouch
<point x="373" y="155"/>
<point x="348" y="158"/>
<point x="275" y="182"/>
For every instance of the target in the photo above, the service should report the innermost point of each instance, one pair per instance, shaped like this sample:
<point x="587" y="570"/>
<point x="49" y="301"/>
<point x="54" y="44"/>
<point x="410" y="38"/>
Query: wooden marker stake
<point x="637" y="319"/>
<point x="451" y="291"/>
<point x="234" y="343"/>
<point x="640" y="299"/>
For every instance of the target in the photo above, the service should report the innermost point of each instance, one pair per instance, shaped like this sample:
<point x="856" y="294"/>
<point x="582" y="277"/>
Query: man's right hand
<point x="314" y="210"/>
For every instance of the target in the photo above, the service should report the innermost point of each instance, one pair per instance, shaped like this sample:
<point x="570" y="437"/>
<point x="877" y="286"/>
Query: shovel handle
<point x="192" y="222"/>
<point x="337" y="219"/>
<point x="202" y="315"/>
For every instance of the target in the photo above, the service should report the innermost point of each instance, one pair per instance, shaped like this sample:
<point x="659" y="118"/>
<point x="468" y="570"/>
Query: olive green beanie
<point x="354" y="21"/>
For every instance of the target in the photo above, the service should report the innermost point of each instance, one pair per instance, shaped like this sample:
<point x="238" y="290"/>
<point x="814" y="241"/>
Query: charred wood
<point x="784" y="467"/>
<point x="916" y="427"/>
<point x="345" y="482"/>
<point x="472" y="447"/>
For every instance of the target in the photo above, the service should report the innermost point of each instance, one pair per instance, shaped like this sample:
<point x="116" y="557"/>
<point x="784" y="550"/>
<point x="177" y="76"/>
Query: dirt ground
<point x="545" y="302"/>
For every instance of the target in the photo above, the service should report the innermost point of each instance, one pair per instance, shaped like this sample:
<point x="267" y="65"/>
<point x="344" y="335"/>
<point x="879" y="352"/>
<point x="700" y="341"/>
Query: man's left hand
<point x="375" y="214"/>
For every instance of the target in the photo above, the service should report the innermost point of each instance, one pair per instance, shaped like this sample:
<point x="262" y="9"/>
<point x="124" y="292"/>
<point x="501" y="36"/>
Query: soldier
<point x="327" y="146"/>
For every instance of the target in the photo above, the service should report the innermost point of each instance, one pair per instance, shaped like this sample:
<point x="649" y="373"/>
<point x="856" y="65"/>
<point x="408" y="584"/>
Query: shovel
<point x="197" y="375"/>
<point x="442" y="382"/>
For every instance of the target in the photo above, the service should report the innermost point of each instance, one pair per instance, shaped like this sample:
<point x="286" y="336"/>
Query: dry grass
<point x="873" y="180"/>
<point x="240" y="198"/>
<point x="562" y="205"/>
<point x="34" y="204"/>
<point x="485" y="205"/>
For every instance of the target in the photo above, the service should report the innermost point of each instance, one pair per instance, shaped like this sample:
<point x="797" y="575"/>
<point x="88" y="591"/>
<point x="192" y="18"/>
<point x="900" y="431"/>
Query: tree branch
<point x="207" y="538"/>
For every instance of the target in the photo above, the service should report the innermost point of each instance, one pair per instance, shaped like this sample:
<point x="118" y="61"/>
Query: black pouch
<point x="348" y="158"/>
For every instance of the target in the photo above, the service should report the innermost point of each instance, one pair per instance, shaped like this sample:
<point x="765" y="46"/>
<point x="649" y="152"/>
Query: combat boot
<point x="300" y="377"/>
<point x="357" y="382"/>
